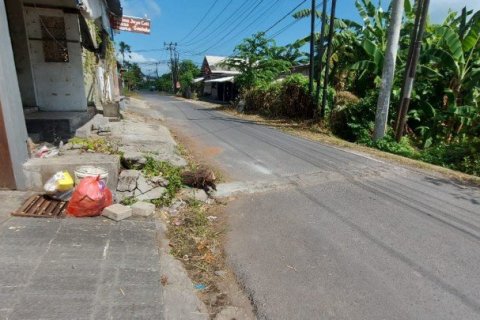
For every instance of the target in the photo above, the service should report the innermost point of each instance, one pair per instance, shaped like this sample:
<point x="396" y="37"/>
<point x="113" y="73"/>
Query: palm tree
<point x="124" y="48"/>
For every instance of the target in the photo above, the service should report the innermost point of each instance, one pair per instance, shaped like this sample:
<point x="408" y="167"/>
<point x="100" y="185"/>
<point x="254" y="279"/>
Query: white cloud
<point x="439" y="8"/>
<point x="141" y="8"/>
<point x="135" y="57"/>
<point x="146" y="64"/>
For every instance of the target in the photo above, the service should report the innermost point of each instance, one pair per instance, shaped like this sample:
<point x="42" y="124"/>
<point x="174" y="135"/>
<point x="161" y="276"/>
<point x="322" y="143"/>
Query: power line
<point x="206" y="14"/>
<point x="233" y="29"/>
<point x="285" y="16"/>
<point x="201" y="20"/>
<point x="247" y="27"/>
<point x="238" y="17"/>
<point x="291" y="24"/>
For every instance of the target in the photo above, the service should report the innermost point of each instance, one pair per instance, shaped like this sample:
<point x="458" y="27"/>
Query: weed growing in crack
<point x="154" y="168"/>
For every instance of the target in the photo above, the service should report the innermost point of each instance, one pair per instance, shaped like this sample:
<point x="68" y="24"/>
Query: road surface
<point x="335" y="235"/>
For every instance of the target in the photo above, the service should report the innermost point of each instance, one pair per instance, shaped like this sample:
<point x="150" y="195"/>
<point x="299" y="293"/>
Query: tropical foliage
<point x="443" y="124"/>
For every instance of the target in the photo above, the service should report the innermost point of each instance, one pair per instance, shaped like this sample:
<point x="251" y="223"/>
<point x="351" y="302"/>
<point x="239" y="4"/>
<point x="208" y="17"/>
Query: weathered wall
<point x="11" y="102"/>
<point x="60" y="85"/>
<point x="21" y="52"/>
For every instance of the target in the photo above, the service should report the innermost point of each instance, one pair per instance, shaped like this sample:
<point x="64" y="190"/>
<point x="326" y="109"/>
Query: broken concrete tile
<point x="133" y="159"/>
<point x="104" y="128"/>
<point x="196" y="194"/>
<point x="143" y="185"/>
<point x="159" y="181"/>
<point x="122" y="195"/>
<point x="98" y="120"/>
<point x="152" y="194"/>
<point x="143" y="209"/>
<point x="127" y="181"/>
<point x="117" y="212"/>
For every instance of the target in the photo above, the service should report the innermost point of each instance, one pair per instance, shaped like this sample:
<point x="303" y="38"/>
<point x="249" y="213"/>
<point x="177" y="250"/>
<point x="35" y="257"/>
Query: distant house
<point x="303" y="69"/>
<point x="219" y="80"/>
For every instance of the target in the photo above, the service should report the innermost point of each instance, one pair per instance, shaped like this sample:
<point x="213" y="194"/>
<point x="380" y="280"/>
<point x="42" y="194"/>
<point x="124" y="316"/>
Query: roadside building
<point x="57" y="62"/>
<point x="218" y="79"/>
<point x="303" y="69"/>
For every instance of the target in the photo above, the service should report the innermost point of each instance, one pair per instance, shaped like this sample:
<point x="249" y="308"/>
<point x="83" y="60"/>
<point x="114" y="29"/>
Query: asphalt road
<point x="338" y="235"/>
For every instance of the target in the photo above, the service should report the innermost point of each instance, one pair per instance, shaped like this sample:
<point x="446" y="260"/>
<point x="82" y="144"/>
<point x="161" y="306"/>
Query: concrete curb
<point x="178" y="298"/>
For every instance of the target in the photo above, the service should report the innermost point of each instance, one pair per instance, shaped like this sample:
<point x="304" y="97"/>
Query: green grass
<point x="154" y="168"/>
<point x="100" y="145"/>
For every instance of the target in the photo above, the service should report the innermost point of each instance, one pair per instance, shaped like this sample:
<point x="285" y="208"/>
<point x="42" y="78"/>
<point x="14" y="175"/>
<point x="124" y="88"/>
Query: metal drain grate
<point x="41" y="207"/>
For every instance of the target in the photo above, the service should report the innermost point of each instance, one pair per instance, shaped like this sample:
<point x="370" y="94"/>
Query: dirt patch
<point x="196" y="236"/>
<point x="212" y="152"/>
<point x="198" y="154"/>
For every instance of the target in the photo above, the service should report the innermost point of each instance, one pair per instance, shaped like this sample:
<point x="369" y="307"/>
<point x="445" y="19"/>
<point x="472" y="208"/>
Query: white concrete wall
<point x="12" y="103"/>
<point x="21" y="52"/>
<point x="60" y="86"/>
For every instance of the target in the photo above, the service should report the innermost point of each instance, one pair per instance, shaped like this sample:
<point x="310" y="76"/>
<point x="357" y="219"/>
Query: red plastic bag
<point x="90" y="197"/>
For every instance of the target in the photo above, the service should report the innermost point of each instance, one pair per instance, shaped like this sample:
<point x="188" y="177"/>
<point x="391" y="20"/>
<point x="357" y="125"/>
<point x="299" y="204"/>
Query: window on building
<point x="54" y="37"/>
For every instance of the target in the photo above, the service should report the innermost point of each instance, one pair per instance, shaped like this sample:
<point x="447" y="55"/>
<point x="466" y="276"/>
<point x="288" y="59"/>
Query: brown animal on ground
<point x="202" y="178"/>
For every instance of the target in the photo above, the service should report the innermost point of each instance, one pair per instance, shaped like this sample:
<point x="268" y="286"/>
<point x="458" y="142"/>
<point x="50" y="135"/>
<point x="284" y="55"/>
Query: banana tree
<point x="373" y="36"/>
<point x="455" y="53"/>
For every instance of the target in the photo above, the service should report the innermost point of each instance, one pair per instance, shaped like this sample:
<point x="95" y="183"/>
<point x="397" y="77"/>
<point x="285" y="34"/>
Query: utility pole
<point x="156" y="69"/>
<point x="321" y="51"/>
<point x="388" y="71"/>
<point x="331" y="28"/>
<point x="411" y="67"/>
<point x="174" y="57"/>
<point x="312" y="48"/>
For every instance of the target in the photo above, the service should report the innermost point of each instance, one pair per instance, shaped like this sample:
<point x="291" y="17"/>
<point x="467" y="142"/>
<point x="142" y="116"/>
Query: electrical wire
<point x="239" y="12"/>
<point x="291" y="24"/>
<point x="232" y="29"/>
<point x="201" y="20"/>
<point x="243" y="30"/>
<point x="284" y="17"/>
<point x="187" y="43"/>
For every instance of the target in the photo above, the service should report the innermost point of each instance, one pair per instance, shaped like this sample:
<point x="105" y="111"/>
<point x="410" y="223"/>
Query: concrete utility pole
<point x="321" y="51"/>
<point x="411" y="67"/>
<point x="388" y="72"/>
<point x="312" y="48"/>
<point x="174" y="57"/>
<point x="331" y="30"/>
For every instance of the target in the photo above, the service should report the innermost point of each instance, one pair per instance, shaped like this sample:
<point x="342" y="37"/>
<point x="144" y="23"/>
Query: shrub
<point x="389" y="144"/>
<point x="286" y="98"/>
<point x="464" y="156"/>
<point x="295" y="99"/>
<point x="352" y="119"/>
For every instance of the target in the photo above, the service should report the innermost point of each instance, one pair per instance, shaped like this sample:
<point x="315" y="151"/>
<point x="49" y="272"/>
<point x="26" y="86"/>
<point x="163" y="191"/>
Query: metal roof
<point x="224" y="79"/>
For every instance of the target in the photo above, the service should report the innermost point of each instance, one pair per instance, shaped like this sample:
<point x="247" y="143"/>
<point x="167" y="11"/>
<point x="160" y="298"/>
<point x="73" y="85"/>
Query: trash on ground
<point x="60" y="182"/>
<point x="90" y="171"/>
<point x="90" y="197"/>
<point x="200" y="286"/>
<point x="46" y="152"/>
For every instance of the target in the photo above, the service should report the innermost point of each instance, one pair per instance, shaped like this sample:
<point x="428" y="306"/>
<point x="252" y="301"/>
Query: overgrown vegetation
<point x="443" y="124"/>
<point x="154" y="168"/>
<point x="100" y="145"/>
<point x="195" y="240"/>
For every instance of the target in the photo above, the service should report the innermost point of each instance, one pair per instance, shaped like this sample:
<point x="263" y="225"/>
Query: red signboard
<point x="132" y="24"/>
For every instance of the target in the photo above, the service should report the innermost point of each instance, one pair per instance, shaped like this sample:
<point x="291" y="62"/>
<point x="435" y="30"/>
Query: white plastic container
<point x="90" y="171"/>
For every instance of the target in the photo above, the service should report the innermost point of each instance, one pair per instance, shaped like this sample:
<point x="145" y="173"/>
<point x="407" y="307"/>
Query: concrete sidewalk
<point x="73" y="268"/>
<point x="95" y="268"/>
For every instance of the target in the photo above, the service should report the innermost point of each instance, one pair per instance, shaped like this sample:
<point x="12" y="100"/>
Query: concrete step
<point x="38" y="170"/>
<point x="54" y="126"/>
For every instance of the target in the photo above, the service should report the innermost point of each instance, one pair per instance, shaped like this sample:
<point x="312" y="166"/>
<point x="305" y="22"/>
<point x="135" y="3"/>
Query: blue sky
<point x="174" y="21"/>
